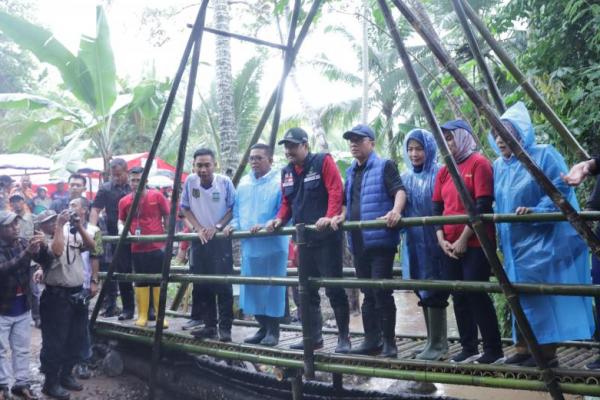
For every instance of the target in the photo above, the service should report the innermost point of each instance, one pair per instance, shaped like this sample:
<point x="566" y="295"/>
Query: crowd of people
<point x="52" y="245"/>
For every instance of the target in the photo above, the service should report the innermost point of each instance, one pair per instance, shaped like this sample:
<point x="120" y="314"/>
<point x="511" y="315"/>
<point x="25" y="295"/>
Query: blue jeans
<point x="15" y="335"/>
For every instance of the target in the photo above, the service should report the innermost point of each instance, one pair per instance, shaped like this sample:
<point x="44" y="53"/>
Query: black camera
<point x="81" y="299"/>
<point x="74" y="222"/>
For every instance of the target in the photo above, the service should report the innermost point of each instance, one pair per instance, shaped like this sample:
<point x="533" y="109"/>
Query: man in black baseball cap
<point x="312" y="194"/>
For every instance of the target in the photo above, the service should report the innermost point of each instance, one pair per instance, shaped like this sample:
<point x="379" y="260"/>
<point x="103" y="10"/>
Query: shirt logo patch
<point x="195" y="193"/>
<point x="312" y="176"/>
<point x="216" y="196"/>
<point x="288" y="180"/>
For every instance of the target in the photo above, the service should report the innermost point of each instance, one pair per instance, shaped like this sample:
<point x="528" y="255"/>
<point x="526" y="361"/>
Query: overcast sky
<point x="135" y="54"/>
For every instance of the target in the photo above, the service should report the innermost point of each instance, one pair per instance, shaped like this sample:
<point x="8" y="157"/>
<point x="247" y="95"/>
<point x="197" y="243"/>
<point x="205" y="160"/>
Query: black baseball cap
<point x="294" y="135"/>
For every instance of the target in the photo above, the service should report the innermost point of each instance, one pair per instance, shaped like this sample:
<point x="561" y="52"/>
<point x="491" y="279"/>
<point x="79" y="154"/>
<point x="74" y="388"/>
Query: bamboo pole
<point x="168" y="253"/>
<point x="395" y="284"/>
<point x="244" y="38"/>
<point x="151" y="154"/>
<point x="477" y="224"/>
<point x="287" y="66"/>
<point x="304" y="294"/>
<point x="271" y="103"/>
<point x="483" y="68"/>
<point x="522" y="80"/>
<point x="451" y="377"/>
<point x="377" y="224"/>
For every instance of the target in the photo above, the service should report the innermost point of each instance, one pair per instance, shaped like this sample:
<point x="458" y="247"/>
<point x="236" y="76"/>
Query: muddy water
<point x="409" y="321"/>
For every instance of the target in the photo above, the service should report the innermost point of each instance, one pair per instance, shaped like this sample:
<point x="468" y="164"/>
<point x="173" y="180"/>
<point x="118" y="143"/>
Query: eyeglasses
<point x="357" y="139"/>
<point x="256" y="158"/>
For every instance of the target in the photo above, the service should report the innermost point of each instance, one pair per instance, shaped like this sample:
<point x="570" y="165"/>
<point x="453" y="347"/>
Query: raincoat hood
<point x="428" y="142"/>
<point x="519" y="118"/>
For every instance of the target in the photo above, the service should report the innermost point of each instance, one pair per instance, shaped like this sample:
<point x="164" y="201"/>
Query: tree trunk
<point x="224" y="78"/>
<point x="365" y="64"/>
<point x="389" y="131"/>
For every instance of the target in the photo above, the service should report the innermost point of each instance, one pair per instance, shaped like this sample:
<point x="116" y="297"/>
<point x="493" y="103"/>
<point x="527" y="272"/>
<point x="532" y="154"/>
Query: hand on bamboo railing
<point x="273" y="224"/>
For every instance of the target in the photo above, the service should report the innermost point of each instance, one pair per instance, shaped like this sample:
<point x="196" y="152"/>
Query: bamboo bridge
<point x="569" y="378"/>
<point x="573" y="356"/>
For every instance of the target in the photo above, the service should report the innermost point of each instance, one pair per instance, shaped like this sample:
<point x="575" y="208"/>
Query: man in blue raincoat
<point x="256" y="202"/>
<point x="540" y="252"/>
<point x="422" y="254"/>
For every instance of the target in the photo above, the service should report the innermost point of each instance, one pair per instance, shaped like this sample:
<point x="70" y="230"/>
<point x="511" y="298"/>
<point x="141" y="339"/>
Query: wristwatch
<point x="219" y="227"/>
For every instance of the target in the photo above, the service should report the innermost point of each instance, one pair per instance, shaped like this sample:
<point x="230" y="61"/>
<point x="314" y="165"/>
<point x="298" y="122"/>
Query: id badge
<point x="216" y="196"/>
<point x="138" y="231"/>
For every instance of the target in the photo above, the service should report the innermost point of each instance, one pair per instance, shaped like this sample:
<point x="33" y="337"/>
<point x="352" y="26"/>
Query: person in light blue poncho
<point x="422" y="254"/>
<point x="540" y="252"/>
<point x="256" y="202"/>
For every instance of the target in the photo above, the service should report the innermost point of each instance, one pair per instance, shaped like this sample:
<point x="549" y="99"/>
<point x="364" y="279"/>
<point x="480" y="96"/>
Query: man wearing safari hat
<point x="16" y="254"/>
<point x="312" y="194"/>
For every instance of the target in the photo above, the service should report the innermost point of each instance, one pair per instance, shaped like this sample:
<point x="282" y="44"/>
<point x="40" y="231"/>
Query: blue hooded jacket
<point x="421" y="252"/>
<point x="256" y="202"/>
<point x="541" y="252"/>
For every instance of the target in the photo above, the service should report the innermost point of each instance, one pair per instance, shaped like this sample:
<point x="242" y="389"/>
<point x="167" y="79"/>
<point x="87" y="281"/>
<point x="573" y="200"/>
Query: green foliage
<point x="18" y="70"/>
<point x="91" y="109"/>
<point x="563" y="49"/>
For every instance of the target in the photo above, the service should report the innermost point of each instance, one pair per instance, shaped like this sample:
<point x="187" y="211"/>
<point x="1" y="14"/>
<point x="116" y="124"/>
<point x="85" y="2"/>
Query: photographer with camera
<point x="16" y="269"/>
<point x="64" y="305"/>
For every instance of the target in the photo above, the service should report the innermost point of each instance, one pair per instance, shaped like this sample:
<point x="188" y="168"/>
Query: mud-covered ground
<point x="99" y="386"/>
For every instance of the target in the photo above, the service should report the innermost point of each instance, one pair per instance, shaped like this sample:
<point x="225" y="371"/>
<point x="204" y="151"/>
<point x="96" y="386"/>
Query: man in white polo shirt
<point x="207" y="203"/>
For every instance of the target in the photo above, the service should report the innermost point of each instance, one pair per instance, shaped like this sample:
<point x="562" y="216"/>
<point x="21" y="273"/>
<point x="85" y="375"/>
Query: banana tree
<point x="92" y="105"/>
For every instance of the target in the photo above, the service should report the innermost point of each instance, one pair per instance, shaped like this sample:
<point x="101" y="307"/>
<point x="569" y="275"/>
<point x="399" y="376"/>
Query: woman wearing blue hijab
<point x="424" y="256"/>
<point x="539" y="252"/>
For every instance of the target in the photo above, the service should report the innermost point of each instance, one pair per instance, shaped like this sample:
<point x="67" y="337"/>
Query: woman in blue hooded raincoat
<point x="540" y="252"/>
<point x="257" y="201"/>
<point x="421" y="250"/>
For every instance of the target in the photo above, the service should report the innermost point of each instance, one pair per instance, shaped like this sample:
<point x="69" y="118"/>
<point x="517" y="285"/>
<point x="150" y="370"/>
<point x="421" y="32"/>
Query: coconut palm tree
<point x="224" y="79"/>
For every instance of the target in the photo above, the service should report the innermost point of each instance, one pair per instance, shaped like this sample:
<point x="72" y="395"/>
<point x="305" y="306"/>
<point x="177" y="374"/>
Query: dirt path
<point x="125" y="387"/>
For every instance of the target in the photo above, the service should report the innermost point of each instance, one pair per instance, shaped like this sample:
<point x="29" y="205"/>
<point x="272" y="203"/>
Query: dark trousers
<point x="474" y="309"/>
<point x="376" y="264"/>
<point x="148" y="263"/>
<point x="124" y="265"/>
<point x="112" y="289"/>
<point x="212" y="258"/>
<point x="326" y="260"/>
<point x="64" y="331"/>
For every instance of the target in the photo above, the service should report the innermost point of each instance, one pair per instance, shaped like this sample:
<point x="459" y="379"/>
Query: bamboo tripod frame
<point x="192" y="49"/>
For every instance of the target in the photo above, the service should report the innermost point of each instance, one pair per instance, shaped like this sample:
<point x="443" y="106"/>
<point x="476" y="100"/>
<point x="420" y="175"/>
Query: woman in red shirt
<point x="463" y="257"/>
